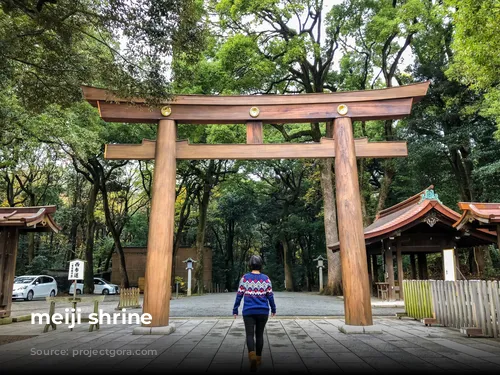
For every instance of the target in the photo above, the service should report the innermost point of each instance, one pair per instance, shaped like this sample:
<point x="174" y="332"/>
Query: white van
<point x="33" y="286"/>
<point x="101" y="286"/>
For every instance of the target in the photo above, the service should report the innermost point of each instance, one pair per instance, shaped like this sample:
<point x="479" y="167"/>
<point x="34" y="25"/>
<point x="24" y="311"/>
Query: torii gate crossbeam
<point x="341" y="108"/>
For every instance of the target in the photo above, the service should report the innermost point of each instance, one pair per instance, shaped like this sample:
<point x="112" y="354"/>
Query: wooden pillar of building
<point x="375" y="267"/>
<point x="8" y="253"/>
<point x="370" y="274"/>
<point x="422" y="266"/>
<point x="389" y="269"/>
<point x="498" y="236"/>
<point x="457" y="263"/>
<point x="161" y="229"/>
<point x="358" y="310"/>
<point x="413" y="262"/>
<point x="374" y="274"/>
<point x="399" y="261"/>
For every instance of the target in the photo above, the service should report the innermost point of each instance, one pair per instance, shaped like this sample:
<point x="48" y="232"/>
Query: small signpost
<point x="76" y="268"/>
<point x="189" y="266"/>
<point x="75" y="272"/>
<point x="320" y="260"/>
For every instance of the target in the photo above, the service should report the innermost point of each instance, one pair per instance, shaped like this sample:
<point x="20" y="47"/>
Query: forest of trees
<point x="52" y="142"/>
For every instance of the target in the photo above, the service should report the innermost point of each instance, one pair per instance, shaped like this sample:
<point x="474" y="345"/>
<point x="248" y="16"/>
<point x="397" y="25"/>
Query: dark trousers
<point x="254" y="328"/>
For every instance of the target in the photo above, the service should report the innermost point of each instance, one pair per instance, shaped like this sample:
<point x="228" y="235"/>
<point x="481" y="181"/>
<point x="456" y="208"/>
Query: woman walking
<point x="258" y="292"/>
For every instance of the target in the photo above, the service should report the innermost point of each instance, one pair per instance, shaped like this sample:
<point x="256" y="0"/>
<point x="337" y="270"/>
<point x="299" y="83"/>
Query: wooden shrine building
<point x="13" y="221"/>
<point x="480" y="215"/>
<point x="418" y="226"/>
<point x="337" y="110"/>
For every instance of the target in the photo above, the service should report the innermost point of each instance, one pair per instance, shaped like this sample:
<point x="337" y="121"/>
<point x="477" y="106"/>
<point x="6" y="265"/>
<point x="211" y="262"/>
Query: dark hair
<point x="255" y="263"/>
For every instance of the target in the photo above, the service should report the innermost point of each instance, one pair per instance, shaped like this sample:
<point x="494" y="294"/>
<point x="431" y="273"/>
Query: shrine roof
<point x="33" y="219"/>
<point x="481" y="214"/>
<point x="413" y="211"/>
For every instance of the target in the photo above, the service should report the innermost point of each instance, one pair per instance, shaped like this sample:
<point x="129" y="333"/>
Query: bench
<point x="73" y="301"/>
<point x="382" y="290"/>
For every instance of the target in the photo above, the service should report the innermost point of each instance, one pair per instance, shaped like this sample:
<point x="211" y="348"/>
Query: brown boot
<point x="253" y="361"/>
<point x="259" y="360"/>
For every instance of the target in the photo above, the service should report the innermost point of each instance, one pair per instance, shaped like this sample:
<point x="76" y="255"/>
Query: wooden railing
<point x="418" y="298"/>
<point x="468" y="304"/>
<point x="463" y="304"/>
<point x="129" y="298"/>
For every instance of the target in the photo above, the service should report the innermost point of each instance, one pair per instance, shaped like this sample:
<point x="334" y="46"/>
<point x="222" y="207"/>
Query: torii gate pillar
<point x="161" y="231"/>
<point x="357" y="304"/>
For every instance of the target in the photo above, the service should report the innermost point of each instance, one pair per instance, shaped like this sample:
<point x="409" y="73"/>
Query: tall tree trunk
<point x="472" y="262"/>
<point x="306" y="259"/>
<point x="89" y="245"/>
<point x="462" y="174"/>
<point x="288" y="264"/>
<point x="479" y="257"/>
<point x="200" y="235"/>
<point x="115" y="233"/>
<point x="363" y="181"/>
<point x="31" y="247"/>
<point x="230" y="280"/>
<point x="334" y="284"/>
<point x="389" y="173"/>
<point x="389" y="166"/>
<point x="362" y="185"/>
<point x="31" y="235"/>
<point x="75" y="222"/>
<point x="183" y="218"/>
<point x="108" y="258"/>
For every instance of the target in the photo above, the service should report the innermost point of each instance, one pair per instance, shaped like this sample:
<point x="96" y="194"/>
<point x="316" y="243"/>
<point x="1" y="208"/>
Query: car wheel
<point x="29" y="297"/>
<point x="53" y="293"/>
<point x="78" y="291"/>
<point x="105" y="291"/>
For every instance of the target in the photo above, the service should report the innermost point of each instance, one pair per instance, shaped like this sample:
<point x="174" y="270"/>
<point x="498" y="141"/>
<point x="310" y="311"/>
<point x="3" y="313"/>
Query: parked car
<point x="101" y="286"/>
<point x="33" y="286"/>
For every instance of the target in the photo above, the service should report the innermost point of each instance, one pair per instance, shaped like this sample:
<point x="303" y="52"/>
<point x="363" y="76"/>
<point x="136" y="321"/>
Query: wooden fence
<point x="464" y="304"/>
<point x="418" y="298"/>
<point x="129" y="298"/>
<point x="459" y="304"/>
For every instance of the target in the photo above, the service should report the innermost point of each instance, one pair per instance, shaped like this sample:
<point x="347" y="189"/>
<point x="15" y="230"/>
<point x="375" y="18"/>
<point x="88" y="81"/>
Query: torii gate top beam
<point x="390" y="103"/>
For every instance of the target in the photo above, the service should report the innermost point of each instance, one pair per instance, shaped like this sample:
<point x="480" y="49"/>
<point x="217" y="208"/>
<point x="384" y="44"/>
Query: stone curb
<point x="349" y="329"/>
<point x="165" y="330"/>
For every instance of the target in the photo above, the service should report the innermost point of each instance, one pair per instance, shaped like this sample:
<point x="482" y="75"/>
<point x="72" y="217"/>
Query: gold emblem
<point x="342" y="109"/>
<point x="254" y="111"/>
<point x="166" y="111"/>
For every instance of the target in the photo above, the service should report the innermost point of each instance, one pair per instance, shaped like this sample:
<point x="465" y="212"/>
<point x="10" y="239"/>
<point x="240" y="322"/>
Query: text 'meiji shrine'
<point x="336" y="109"/>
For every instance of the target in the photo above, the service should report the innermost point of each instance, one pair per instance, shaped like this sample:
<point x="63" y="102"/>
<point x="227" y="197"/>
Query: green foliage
<point x="476" y="60"/>
<point x="182" y="284"/>
<point x="38" y="265"/>
<point x="475" y="42"/>
<point x="50" y="48"/>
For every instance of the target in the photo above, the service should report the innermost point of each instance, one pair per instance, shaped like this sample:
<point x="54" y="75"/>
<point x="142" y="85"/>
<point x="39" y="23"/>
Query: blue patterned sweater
<point x="258" y="293"/>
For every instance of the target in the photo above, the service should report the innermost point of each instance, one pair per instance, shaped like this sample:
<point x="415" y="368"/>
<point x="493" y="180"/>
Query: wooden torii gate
<point x="341" y="108"/>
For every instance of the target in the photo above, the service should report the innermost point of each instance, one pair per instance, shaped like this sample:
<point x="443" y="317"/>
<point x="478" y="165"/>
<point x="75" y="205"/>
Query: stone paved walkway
<point x="217" y="345"/>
